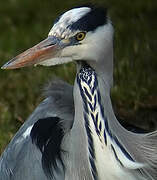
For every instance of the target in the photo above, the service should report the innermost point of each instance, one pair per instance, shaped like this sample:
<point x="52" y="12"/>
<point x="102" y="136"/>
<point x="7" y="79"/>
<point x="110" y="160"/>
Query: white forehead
<point x="69" y="17"/>
<point x="73" y="15"/>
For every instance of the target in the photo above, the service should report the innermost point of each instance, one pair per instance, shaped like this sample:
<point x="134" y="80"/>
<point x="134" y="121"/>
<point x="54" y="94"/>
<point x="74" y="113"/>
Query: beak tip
<point x="9" y="65"/>
<point x="4" y="66"/>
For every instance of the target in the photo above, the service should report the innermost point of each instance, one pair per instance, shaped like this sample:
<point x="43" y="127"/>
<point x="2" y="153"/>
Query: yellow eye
<point x="80" y="36"/>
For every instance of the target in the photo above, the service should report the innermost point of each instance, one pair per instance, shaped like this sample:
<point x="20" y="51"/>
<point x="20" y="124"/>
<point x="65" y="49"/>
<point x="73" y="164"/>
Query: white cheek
<point x="71" y="51"/>
<point x="82" y="52"/>
<point x="90" y="51"/>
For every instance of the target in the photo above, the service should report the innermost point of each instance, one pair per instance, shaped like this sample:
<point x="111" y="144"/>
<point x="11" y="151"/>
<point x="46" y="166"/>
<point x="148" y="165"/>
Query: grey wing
<point x="29" y="153"/>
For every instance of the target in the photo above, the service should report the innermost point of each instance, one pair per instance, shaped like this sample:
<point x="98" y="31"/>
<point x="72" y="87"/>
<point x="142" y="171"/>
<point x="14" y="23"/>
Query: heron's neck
<point x="94" y="89"/>
<point x="89" y="113"/>
<point x="94" y="98"/>
<point x="103" y="65"/>
<point x="95" y="114"/>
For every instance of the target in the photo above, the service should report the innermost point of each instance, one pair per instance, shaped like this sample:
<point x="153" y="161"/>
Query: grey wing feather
<point x="142" y="148"/>
<point x="22" y="159"/>
<point x="62" y="94"/>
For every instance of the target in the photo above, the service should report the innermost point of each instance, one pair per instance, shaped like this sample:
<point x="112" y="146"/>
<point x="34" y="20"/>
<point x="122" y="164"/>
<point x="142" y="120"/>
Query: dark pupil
<point x="80" y="36"/>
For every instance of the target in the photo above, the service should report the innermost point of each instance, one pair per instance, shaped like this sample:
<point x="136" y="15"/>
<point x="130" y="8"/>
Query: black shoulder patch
<point x="47" y="134"/>
<point x="93" y="19"/>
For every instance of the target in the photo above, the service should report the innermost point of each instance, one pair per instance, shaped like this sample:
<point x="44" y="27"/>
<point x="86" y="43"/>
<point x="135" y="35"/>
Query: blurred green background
<point x="24" y="23"/>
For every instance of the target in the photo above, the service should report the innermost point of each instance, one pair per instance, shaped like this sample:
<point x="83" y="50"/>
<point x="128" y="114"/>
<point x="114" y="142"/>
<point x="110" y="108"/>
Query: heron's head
<point x="82" y="33"/>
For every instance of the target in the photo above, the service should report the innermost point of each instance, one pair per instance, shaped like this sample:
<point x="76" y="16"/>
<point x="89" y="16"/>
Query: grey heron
<point x="73" y="134"/>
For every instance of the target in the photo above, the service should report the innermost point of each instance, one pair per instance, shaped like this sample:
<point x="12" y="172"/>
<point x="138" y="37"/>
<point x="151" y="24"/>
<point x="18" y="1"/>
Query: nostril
<point x="50" y="41"/>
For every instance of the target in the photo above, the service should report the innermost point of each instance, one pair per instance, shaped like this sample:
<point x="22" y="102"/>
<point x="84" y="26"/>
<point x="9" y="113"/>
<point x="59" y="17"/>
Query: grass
<point x="25" y="23"/>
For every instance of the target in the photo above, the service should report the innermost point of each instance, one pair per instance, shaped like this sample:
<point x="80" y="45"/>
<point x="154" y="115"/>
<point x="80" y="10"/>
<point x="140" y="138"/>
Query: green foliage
<point x="25" y="23"/>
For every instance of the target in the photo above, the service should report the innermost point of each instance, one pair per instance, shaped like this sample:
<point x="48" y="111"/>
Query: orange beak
<point x="46" y="49"/>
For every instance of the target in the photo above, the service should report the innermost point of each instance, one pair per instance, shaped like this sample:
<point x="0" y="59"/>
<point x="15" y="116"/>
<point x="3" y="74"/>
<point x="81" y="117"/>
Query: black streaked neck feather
<point x="87" y="79"/>
<point x="85" y="76"/>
